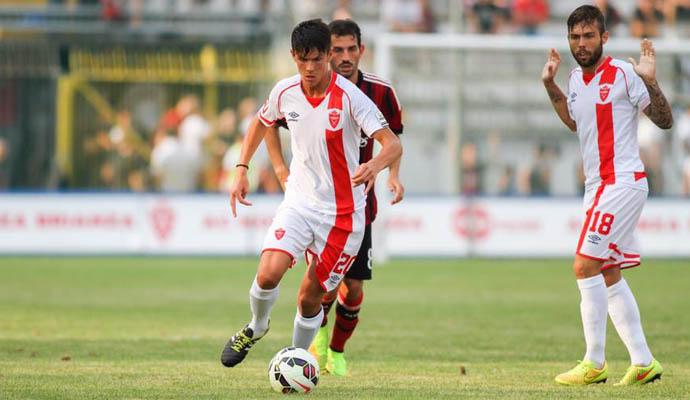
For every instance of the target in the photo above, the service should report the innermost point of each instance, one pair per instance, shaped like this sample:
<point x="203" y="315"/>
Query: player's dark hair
<point x="345" y="27"/>
<point x="587" y="15"/>
<point x="311" y="35"/>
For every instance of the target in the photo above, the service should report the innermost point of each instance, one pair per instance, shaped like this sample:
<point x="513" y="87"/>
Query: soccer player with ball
<point x="602" y="103"/>
<point x="323" y="209"/>
<point x="347" y="49"/>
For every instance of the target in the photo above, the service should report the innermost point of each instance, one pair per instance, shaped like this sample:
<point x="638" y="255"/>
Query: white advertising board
<point x="419" y="226"/>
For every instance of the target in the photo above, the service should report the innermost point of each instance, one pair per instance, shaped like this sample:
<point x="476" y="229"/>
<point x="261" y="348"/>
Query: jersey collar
<point x="588" y="77"/>
<point x="316" y="101"/>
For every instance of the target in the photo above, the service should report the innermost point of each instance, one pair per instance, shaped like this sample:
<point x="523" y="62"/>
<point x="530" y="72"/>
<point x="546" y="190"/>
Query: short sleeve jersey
<point x="324" y="139"/>
<point x="605" y="106"/>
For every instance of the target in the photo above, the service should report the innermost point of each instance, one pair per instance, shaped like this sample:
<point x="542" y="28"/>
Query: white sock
<point x="625" y="316"/>
<point x="261" y="302"/>
<point x="305" y="329"/>
<point x="593" y="309"/>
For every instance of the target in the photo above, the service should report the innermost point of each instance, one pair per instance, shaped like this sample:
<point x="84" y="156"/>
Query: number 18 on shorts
<point x="608" y="233"/>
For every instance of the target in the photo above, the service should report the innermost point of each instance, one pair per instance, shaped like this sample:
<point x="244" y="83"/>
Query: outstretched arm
<point x="558" y="99"/>
<point x="659" y="110"/>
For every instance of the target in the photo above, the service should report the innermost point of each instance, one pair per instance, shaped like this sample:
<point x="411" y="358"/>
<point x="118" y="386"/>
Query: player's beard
<point x="347" y="75"/>
<point x="592" y="60"/>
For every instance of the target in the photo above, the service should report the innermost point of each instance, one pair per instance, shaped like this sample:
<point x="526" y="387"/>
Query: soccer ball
<point x="293" y="370"/>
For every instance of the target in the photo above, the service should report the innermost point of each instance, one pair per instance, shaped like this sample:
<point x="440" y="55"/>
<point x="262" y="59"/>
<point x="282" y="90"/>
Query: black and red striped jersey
<point x="381" y="92"/>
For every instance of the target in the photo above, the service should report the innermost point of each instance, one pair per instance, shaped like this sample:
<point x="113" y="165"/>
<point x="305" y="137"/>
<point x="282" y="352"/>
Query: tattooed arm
<point x="558" y="99"/>
<point x="659" y="111"/>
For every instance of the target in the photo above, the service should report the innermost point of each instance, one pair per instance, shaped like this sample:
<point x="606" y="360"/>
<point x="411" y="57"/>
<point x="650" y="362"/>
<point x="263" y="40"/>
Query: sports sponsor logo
<point x="293" y="116"/>
<point x="363" y="141"/>
<point x="280" y="232"/>
<point x="163" y="219"/>
<point x="604" y="91"/>
<point x="381" y="118"/>
<point x="334" y="118"/>
<point x="594" y="239"/>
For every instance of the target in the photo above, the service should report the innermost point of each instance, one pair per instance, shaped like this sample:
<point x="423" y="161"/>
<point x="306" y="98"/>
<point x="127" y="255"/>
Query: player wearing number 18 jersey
<point x="323" y="209"/>
<point x="604" y="98"/>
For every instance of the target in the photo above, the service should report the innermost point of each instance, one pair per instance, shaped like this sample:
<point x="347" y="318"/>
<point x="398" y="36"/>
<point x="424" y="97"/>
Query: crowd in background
<point x="187" y="152"/>
<point x="190" y="151"/>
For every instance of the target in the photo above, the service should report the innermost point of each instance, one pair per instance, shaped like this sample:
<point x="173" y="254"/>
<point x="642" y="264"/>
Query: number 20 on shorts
<point x="344" y="263"/>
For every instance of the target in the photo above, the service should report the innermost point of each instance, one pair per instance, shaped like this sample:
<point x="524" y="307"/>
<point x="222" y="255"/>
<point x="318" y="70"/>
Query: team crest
<point x="280" y="232"/>
<point x="604" y="91"/>
<point x="334" y="117"/>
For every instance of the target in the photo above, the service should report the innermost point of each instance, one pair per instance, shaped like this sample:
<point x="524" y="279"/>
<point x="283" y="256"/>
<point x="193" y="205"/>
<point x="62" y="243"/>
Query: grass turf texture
<point x="152" y="328"/>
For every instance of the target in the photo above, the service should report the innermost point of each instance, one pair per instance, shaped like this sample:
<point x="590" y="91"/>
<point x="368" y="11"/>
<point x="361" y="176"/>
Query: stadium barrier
<point x="151" y="224"/>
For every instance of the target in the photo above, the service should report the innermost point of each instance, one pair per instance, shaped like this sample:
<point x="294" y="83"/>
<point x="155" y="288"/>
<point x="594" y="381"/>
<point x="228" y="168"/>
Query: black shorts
<point x="361" y="268"/>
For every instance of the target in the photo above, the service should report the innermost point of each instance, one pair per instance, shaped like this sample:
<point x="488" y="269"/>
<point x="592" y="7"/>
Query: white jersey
<point x="605" y="106"/>
<point x="325" y="137"/>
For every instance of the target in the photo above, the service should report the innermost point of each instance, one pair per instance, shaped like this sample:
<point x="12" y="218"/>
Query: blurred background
<point x="119" y="97"/>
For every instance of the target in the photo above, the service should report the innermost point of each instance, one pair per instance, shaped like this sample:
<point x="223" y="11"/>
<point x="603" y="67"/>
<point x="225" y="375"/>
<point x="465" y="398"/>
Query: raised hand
<point x="646" y="68"/>
<point x="551" y="66"/>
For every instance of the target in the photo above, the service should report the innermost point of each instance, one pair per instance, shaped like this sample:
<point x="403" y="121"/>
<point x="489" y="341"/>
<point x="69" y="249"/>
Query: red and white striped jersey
<point x="605" y="106"/>
<point x="324" y="139"/>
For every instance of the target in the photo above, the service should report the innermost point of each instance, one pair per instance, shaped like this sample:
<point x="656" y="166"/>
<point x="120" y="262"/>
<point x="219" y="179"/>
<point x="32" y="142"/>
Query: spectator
<point x="342" y="11"/>
<point x="611" y="15"/>
<point x="506" y="182"/>
<point x="471" y="182"/>
<point x="171" y="165"/>
<point x="486" y="16"/>
<point x="646" y="20"/>
<point x="529" y="14"/>
<point x="683" y="134"/>
<point x="539" y="175"/>
<point x="4" y="165"/>
<point x="408" y="15"/>
<point x="221" y="138"/>
<point x="650" y="139"/>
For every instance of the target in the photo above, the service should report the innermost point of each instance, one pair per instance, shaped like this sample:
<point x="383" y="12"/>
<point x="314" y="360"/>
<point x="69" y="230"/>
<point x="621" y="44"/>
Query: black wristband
<point x="242" y="165"/>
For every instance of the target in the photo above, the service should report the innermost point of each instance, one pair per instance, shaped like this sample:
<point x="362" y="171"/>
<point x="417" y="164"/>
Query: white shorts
<point x="333" y="240"/>
<point x="608" y="233"/>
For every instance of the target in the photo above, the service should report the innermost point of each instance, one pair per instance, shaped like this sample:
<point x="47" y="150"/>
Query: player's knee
<point x="354" y="290"/>
<point x="585" y="268"/>
<point x="267" y="280"/>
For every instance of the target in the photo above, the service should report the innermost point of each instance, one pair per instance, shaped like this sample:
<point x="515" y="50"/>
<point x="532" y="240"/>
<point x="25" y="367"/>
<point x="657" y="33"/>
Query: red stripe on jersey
<point x="605" y="138"/>
<point x="336" y="154"/>
<point x="607" y="171"/>
<point x="337" y="237"/>
<point x="589" y="213"/>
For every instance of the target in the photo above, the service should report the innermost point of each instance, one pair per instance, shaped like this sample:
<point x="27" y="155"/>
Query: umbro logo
<point x="293" y="116"/>
<point x="594" y="239"/>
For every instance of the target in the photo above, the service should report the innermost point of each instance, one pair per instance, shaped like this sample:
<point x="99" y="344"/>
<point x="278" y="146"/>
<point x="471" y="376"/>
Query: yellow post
<point x="64" y="122"/>
<point x="208" y="59"/>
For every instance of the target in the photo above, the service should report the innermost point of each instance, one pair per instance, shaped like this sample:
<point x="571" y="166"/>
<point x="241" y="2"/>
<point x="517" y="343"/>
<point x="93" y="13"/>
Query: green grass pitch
<point x="153" y="328"/>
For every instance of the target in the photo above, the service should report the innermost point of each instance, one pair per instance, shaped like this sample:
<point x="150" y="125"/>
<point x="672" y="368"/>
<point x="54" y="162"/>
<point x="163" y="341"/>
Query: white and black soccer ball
<point x="293" y="370"/>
